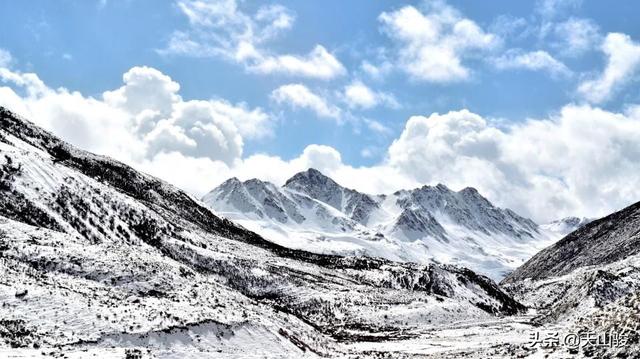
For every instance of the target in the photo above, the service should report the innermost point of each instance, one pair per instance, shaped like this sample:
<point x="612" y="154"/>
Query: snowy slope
<point x="96" y="257"/>
<point x="603" y="241"/>
<point x="424" y="225"/>
<point x="564" y="226"/>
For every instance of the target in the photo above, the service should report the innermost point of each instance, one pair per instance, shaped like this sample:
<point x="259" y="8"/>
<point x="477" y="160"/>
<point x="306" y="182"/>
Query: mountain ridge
<point x="312" y="211"/>
<point x="602" y="241"/>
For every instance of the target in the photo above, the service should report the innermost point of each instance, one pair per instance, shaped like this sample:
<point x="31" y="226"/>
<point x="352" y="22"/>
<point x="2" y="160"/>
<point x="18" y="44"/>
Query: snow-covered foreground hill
<point x="424" y="225"/>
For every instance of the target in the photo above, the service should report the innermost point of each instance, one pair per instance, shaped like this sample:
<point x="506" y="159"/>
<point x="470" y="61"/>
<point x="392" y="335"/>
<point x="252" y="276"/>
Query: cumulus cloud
<point x="144" y="88"/>
<point x="144" y="122"/>
<point x="221" y="29"/>
<point x="299" y="96"/>
<point x="195" y="129"/>
<point x="533" y="61"/>
<point x="582" y="161"/>
<point x="87" y="122"/>
<point x="623" y="59"/>
<point x="432" y="44"/>
<point x="359" y="95"/>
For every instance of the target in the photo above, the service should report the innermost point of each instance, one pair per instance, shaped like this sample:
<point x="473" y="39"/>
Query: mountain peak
<point x="316" y="185"/>
<point x="438" y="188"/>
<point x="231" y="181"/>
<point x="311" y="175"/>
<point x="472" y="193"/>
<point x="256" y="182"/>
<point x="311" y="182"/>
<point x="469" y="190"/>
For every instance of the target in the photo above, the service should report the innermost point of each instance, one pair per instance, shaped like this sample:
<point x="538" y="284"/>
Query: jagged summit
<point x="318" y="186"/>
<point x="312" y="176"/>
<point x="231" y="182"/>
<point x="314" y="212"/>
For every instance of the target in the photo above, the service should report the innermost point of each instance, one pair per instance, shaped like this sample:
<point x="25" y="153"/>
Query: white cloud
<point x="195" y="129"/>
<point x="192" y="174"/>
<point x="299" y="96"/>
<point x="583" y="161"/>
<point x="251" y="123"/>
<point x="432" y="45"/>
<point x="142" y="123"/>
<point x="319" y="63"/>
<point x="86" y="122"/>
<point x="623" y="58"/>
<point x="576" y="36"/>
<point x="367" y="152"/>
<point x="534" y="61"/>
<point x="358" y="95"/>
<point x="144" y="88"/>
<point x="221" y="29"/>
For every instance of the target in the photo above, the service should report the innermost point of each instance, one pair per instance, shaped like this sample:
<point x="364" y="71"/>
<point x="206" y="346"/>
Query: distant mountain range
<point x="428" y="224"/>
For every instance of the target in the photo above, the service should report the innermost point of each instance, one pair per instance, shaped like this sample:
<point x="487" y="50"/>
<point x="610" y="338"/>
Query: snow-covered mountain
<point x="100" y="260"/>
<point x="566" y="225"/>
<point x="432" y="223"/>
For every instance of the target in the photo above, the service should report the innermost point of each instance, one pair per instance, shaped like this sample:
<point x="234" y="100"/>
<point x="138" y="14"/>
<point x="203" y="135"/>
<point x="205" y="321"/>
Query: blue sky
<point x="344" y="76"/>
